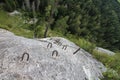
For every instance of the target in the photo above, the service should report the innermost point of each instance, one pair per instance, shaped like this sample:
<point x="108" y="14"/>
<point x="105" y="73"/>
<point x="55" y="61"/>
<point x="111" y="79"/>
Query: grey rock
<point x="106" y="51"/>
<point x="38" y="62"/>
<point x="15" y="12"/>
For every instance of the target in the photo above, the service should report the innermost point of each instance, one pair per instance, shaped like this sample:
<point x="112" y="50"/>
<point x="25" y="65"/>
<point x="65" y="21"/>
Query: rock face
<point x="102" y="50"/>
<point x="45" y="59"/>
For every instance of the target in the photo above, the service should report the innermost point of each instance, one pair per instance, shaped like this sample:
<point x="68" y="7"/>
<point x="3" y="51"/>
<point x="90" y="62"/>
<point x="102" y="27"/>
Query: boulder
<point x="53" y="58"/>
<point x="106" y="51"/>
<point x="15" y="12"/>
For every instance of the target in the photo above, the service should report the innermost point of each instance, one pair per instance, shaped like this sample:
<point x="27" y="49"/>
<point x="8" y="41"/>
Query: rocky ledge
<point x="53" y="58"/>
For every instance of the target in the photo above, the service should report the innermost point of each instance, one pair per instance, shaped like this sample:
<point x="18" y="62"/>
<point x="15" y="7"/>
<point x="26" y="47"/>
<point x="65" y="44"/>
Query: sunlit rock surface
<point x="28" y="59"/>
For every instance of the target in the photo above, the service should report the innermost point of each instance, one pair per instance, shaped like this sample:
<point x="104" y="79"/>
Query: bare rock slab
<point x="45" y="59"/>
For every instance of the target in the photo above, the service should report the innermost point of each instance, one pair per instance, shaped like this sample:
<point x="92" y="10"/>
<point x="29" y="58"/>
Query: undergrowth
<point x="14" y="24"/>
<point x="112" y="62"/>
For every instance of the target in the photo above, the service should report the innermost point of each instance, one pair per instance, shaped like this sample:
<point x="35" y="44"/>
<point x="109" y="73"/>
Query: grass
<point x="85" y="44"/>
<point x="19" y="31"/>
<point x="111" y="62"/>
<point x="14" y="24"/>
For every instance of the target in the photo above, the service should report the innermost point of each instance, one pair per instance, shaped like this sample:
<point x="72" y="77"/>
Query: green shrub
<point x="18" y="31"/>
<point x="4" y="27"/>
<point x="22" y="32"/>
<point x="111" y="62"/>
<point x="88" y="46"/>
<point x="10" y="21"/>
<point x="39" y="31"/>
<point x="111" y="75"/>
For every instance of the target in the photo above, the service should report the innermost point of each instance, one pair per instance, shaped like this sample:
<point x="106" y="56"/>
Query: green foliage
<point x="39" y="31"/>
<point x="52" y="33"/>
<point x="111" y="62"/>
<point x="10" y="21"/>
<point x="85" y="44"/>
<point x="111" y="75"/>
<point x="74" y="24"/>
<point x="61" y="25"/>
<point x="18" y="31"/>
<point x="14" y="24"/>
<point x="11" y="5"/>
<point x="96" y="20"/>
<point x="22" y="32"/>
<point x="48" y="9"/>
<point x="106" y="59"/>
<point x="4" y="27"/>
<point x="82" y="21"/>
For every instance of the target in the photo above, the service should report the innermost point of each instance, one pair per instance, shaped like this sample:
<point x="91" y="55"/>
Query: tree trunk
<point x="46" y="30"/>
<point x="27" y="2"/>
